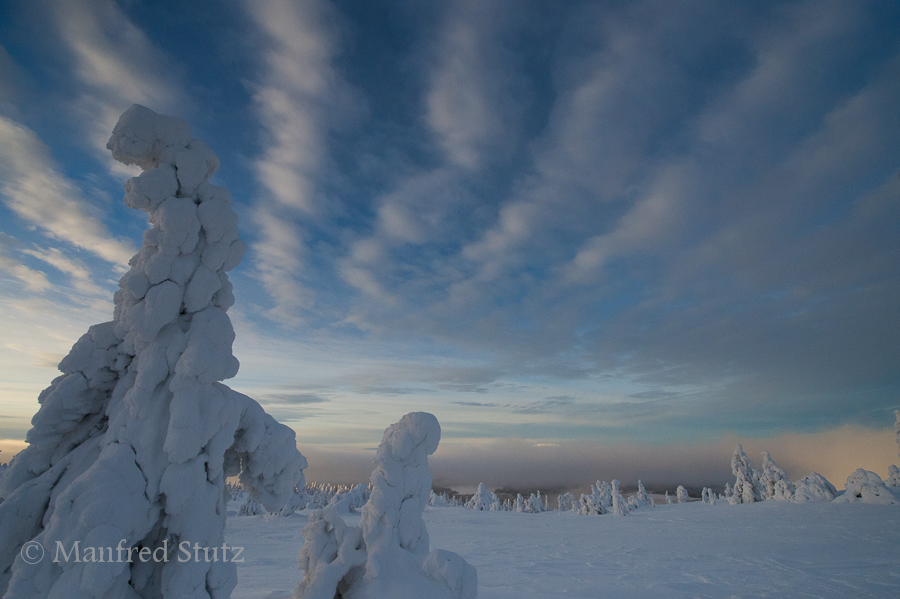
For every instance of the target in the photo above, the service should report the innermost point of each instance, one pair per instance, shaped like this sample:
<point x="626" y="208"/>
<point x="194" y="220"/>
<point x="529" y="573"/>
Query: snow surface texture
<point x="690" y="550"/>
<point x="136" y="438"/>
<point x="387" y="554"/>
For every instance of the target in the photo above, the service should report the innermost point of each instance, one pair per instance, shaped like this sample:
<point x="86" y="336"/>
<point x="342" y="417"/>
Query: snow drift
<point x="133" y="443"/>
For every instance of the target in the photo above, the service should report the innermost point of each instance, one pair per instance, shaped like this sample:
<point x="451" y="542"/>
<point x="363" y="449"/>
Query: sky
<point x="596" y="239"/>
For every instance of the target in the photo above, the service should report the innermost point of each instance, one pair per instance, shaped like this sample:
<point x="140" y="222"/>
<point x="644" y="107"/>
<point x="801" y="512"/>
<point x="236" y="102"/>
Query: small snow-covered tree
<point x="619" y="507"/>
<point x="534" y="504"/>
<point x="769" y="477"/>
<point x="681" y="494"/>
<point x="893" y="479"/>
<point x="641" y="499"/>
<point x="864" y="486"/>
<point x="564" y="502"/>
<point x="134" y="441"/>
<point x="251" y="507"/>
<point x="388" y="554"/>
<point x="813" y="487"/>
<point x="438" y="500"/>
<point x="481" y="500"/>
<point x="519" y="505"/>
<point x="599" y="502"/>
<point x="668" y="499"/>
<point x="746" y="484"/>
<point x="784" y="491"/>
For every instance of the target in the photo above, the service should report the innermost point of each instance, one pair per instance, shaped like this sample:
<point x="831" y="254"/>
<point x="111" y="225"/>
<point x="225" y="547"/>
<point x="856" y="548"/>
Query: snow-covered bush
<point x="864" y="486"/>
<point x="813" y="487"/>
<point x="387" y="555"/>
<point x="681" y="494"/>
<point x="599" y="502"/>
<point x="136" y="438"/>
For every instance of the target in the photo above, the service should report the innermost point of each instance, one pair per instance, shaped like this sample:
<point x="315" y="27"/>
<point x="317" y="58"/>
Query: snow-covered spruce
<point x="770" y="476"/>
<point x="619" y="506"/>
<point x="681" y="494"/>
<point x="747" y="483"/>
<point x="481" y="500"/>
<point x="135" y="439"/>
<point x="387" y="556"/>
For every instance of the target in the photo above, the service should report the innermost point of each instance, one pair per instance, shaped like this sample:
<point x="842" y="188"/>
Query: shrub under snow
<point x="135" y="439"/>
<point x="387" y="555"/>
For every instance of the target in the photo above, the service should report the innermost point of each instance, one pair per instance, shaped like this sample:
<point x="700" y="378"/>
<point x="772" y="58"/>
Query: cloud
<point x="34" y="190"/>
<point x="298" y="97"/>
<point x="116" y="65"/>
<point x="471" y="106"/>
<point x="292" y="398"/>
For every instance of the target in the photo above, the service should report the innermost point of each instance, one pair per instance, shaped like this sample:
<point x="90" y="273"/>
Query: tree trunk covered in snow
<point x="132" y="444"/>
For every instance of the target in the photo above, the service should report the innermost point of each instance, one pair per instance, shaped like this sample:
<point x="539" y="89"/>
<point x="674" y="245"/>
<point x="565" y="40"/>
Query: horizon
<point x="596" y="240"/>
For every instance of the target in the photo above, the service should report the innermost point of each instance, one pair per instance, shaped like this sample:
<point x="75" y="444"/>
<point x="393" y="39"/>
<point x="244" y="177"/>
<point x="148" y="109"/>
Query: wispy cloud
<point x="115" y="64"/>
<point x="37" y="193"/>
<point x="297" y="98"/>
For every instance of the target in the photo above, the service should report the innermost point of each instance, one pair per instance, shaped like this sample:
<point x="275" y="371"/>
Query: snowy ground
<point x="769" y="549"/>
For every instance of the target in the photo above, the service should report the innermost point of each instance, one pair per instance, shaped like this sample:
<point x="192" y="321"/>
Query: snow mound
<point x="387" y="555"/>
<point x="133" y="443"/>
<point x="864" y="486"/>
<point x="813" y="487"/>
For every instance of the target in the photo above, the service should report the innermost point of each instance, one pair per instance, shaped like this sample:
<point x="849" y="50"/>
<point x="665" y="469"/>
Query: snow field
<point x="765" y="549"/>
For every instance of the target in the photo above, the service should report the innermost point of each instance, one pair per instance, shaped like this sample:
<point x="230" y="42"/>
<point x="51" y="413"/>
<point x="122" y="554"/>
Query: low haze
<point x="596" y="239"/>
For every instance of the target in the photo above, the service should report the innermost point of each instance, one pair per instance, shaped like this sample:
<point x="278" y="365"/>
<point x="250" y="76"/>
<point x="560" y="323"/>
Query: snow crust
<point x="135" y="439"/>
<point x="387" y="555"/>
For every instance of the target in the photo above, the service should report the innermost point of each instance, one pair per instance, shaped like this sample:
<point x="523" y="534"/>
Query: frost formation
<point x="135" y="439"/>
<point x="388" y="554"/>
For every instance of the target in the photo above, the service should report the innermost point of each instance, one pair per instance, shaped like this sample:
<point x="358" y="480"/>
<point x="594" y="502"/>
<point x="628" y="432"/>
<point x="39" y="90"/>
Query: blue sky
<point x="579" y="233"/>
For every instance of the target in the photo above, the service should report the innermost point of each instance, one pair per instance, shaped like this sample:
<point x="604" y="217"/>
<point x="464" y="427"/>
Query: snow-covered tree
<point x="770" y="475"/>
<point x="668" y="499"/>
<point x="813" y="487"/>
<point x="534" y="504"/>
<point x="784" y="491"/>
<point x="864" y="486"/>
<point x="481" y="500"/>
<point x="388" y="554"/>
<point x="681" y="494"/>
<point x="519" y="505"/>
<point x="438" y="500"/>
<point x="251" y="507"/>
<point x="352" y="500"/>
<point x="564" y="502"/>
<point x="746" y="484"/>
<point x="641" y="499"/>
<point x="135" y="439"/>
<point x="893" y="479"/>
<point x="619" y="507"/>
<point x="599" y="502"/>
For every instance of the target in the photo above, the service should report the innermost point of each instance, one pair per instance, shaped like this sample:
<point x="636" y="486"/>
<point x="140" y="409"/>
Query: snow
<point x="132" y="444"/>
<point x="386" y="555"/>
<point x="764" y="549"/>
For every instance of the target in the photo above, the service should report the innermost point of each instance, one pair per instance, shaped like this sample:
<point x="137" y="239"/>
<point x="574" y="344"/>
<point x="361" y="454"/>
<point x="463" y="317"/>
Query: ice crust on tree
<point x="387" y="555"/>
<point x="135" y="439"/>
